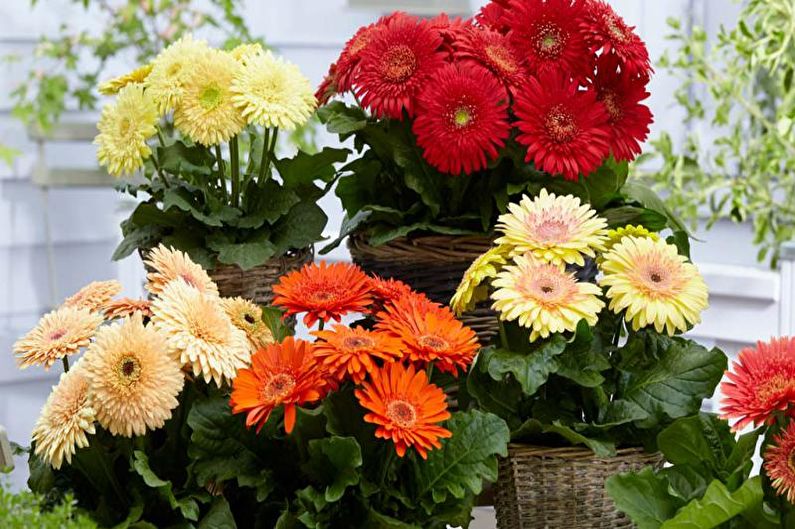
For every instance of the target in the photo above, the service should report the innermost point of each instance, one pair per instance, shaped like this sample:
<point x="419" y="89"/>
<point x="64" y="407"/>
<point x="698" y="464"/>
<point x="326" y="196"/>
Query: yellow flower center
<point x="211" y="97"/>
<point x="550" y="40"/>
<point x="174" y="69"/>
<point x="278" y="387"/>
<point x="399" y="63"/>
<point x="773" y="387"/>
<point x="125" y="125"/>
<point x="462" y="116"/>
<point x="358" y="342"/>
<point x="402" y="413"/>
<point x="501" y="58"/>
<point x="615" y="27"/>
<point x="560" y="124"/>
<point x="129" y="370"/>
<point x="434" y="342"/>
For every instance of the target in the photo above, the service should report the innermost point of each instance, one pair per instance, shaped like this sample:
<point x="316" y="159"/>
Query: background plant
<point x="25" y="510"/>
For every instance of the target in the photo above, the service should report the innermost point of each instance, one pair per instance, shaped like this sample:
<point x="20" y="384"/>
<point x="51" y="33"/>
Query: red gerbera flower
<point x="761" y="382"/>
<point x="621" y="94"/>
<point x="328" y="87"/>
<point x="400" y="57"/>
<point x="779" y="458"/>
<point x="348" y="62"/>
<point x="548" y="33"/>
<point x="492" y="16"/>
<point x="450" y="29"/>
<point x="462" y="120"/>
<point x="565" y="129"/>
<point x="604" y="29"/>
<point x="493" y="50"/>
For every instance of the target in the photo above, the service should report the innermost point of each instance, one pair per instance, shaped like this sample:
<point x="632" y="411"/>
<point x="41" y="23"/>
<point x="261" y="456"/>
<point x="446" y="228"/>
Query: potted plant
<point x="590" y="364"/>
<point x="201" y="125"/>
<point x="453" y="118"/>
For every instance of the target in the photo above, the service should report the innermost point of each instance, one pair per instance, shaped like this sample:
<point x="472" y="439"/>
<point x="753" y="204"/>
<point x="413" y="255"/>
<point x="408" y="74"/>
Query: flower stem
<point x="266" y="139"/>
<point x="221" y="171"/>
<point x="234" y="155"/>
<point x="65" y="361"/>
<point x="267" y="157"/>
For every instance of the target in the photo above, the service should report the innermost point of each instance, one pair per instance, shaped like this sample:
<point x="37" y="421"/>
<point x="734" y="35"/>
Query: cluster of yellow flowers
<point x="210" y="94"/>
<point x="137" y="353"/>
<point x="525" y="274"/>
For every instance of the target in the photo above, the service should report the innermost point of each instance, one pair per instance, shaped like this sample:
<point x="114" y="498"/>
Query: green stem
<point x="65" y="361"/>
<point x="265" y="147"/>
<point x="271" y="151"/>
<point x="221" y="171"/>
<point x="390" y="459"/>
<point x="160" y="137"/>
<point x="320" y="325"/>
<point x="234" y="154"/>
<point x="503" y="335"/>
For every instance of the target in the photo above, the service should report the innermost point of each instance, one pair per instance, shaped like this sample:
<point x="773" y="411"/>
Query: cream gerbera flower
<point x="169" y="264"/>
<point x="544" y="297"/>
<point x="247" y="317"/>
<point x="94" y="296"/>
<point x="170" y="68"/>
<point x="470" y="291"/>
<point x="125" y="307"/>
<point x="200" y="333"/>
<point x="124" y="128"/>
<point x="243" y="52"/>
<point x="554" y="229"/>
<point x="616" y="236"/>
<point x="113" y="86"/>
<point x="654" y="284"/>
<point x="66" y="420"/>
<point x="62" y="332"/>
<point x="134" y="384"/>
<point x="206" y="112"/>
<point x="272" y="92"/>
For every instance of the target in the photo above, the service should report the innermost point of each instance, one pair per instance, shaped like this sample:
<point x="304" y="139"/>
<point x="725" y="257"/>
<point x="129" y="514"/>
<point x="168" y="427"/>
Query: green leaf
<point x="584" y="358"/>
<point x="530" y="370"/>
<point x="335" y="460"/>
<point x="184" y="200"/>
<point x="342" y="119"/>
<point x="219" y="516"/>
<point x="266" y="203"/>
<point x="700" y="440"/>
<point x="376" y="520"/>
<point x="348" y="226"/>
<point x="648" y="198"/>
<point x="188" y="507"/>
<point x="623" y="215"/>
<point x="303" y="168"/>
<point x="178" y="158"/>
<point x="604" y="185"/>
<point x="532" y="428"/>
<point x="644" y="497"/>
<point x="718" y="506"/>
<point x="301" y="227"/>
<point x="246" y="255"/>
<point x="501" y="398"/>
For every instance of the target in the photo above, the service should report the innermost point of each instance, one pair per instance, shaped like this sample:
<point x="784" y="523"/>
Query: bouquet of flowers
<point x="455" y="116"/>
<point x="201" y="125"/>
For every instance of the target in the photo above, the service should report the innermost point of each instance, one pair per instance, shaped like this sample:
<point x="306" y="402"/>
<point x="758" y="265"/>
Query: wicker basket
<point x="556" y="488"/>
<point x="432" y="264"/>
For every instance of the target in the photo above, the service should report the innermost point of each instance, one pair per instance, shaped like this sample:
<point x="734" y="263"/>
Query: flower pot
<point x="550" y="488"/>
<point x="432" y="264"/>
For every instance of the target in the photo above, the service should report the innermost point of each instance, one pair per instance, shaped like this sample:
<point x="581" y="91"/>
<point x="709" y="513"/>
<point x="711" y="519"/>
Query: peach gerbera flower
<point x="324" y="291"/>
<point x="94" y="296"/>
<point x="778" y="462"/>
<point x="283" y="374"/>
<point x="406" y="408"/>
<point x="351" y="352"/>
<point x="60" y="333"/>
<point x="247" y="317"/>
<point x="169" y="264"/>
<point x="124" y="307"/>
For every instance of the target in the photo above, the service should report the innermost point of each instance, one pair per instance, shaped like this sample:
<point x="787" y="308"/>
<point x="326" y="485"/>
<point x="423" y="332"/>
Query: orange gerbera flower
<point x="388" y="290"/>
<point x="429" y="333"/>
<point x="124" y="307"/>
<point x="323" y="291"/>
<point x="283" y="374"/>
<point x="405" y="407"/>
<point x="761" y="382"/>
<point x="779" y="458"/>
<point x="351" y="352"/>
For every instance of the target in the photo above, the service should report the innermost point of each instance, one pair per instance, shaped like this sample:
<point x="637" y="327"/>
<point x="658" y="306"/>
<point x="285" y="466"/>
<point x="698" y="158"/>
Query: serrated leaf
<point x="305" y="168"/>
<point x="342" y="119"/>
<point x="247" y="254"/>
<point x="219" y="516"/>
<point x="187" y="506"/>
<point x="301" y="227"/>
<point x="531" y="370"/>
<point x="644" y="497"/>
<point x="718" y="506"/>
<point x="335" y="460"/>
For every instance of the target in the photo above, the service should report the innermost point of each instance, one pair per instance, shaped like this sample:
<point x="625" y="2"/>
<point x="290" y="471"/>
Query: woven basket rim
<point x="574" y="452"/>
<point x="434" y="248"/>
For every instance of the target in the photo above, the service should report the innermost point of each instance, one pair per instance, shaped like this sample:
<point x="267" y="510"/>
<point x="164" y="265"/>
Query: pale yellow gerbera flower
<point x="544" y="297"/>
<point x="470" y="291"/>
<point x="170" y="68"/>
<point x="243" y="52"/>
<point x="134" y="383"/>
<point x="113" y="86"/>
<point x="200" y="333"/>
<point x="247" y="317"/>
<point x="94" y="296"/>
<point x="272" y="92"/>
<point x="125" y="307"/>
<point x="169" y="264"/>
<point x="206" y="112"/>
<point x="616" y="236"/>
<point x="66" y="420"/>
<point x="124" y="128"/>
<point x="654" y="284"/>
<point x="62" y="332"/>
<point x="554" y="229"/>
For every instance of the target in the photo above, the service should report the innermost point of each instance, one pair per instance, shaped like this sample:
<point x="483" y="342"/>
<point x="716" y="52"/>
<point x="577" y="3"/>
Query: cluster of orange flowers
<point x="388" y="360"/>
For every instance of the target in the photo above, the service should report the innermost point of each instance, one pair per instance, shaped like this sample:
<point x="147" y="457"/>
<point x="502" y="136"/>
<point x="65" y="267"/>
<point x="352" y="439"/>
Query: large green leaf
<point x="335" y="461"/>
<point x="532" y="428"/>
<point x="187" y="506"/>
<point x="303" y="168"/>
<point x="604" y="185"/>
<point x="648" y="198"/>
<point x="302" y="226"/>
<point x="246" y="254"/>
<point x="584" y="358"/>
<point x="342" y="119"/>
<point x="718" y="506"/>
<point x="178" y="158"/>
<point x="268" y="202"/>
<point x="219" y="516"/>
<point x="348" y="226"/>
<point x="644" y="497"/>
<point x="531" y="370"/>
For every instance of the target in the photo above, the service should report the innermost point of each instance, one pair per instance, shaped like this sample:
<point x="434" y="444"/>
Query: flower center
<point x="210" y="97"/>
<point x="323" y="296"/>
<point x="174" y="69"/>
<point x="399" y="63"/>
<point x="358" y="342"/>
<point x="550" y="40"/>
<point x="462" y="116"/>
<point x="501" y="58"/>
<point x="774" y="387"/>
<point x="124" y="127"/>
<point x="57" y="334"/>
<point x="360" y="42"/>
<point x="250" y="319"/>
<point x="560" y="124"/>
<point x="129" y="369"/>
<point x="610" y="101"/>
<point x="658" y="279"/>
<point x="402" y="413"/>
<point x="615" y="28"/>
<point x="552" y="230"/>
<point x="278" y="387"/>
<point x="434" y="342"/>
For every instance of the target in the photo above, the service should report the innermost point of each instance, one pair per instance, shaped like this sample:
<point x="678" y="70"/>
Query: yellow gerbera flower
<point x="272" y="92"/>
<point x="124" y="128"/>
<point x="554" y="229"/>
<point x="544" y="297"/>
<point x="206" y="112"/>
<point x="654" y="284"/>
<point x="615" y="236"/>
<point x="243" y="52"/>
<point x="247" y="317"/>
<point x="470" y="291"/>
<point x="113" y="86"/>
<point x="166" y="81"/>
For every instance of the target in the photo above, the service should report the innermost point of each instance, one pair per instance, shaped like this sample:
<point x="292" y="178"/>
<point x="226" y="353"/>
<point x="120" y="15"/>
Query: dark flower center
<point x="561" y="125"/>
<point x="129" y="369"/>
<point x="278" y="387"/>
<point x="433" y="342"/>
<point x="399" y="64"/>
<point x="250" y="319"/>
<point x="358" y="342"/>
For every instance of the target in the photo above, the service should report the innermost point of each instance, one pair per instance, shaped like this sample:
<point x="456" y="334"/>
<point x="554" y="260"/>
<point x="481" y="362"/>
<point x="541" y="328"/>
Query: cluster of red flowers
<point x="386" y="360"/>
<point x="568" y="75"/>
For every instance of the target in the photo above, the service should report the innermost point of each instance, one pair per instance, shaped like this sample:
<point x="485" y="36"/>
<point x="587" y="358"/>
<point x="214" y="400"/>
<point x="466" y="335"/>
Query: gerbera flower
<point x="94" y="296"/>
<point x="544" y="297"/>
<point x="66" y="420"/>
<point x="124" y="128"/>
<point x="554" y="229"/>
<point x="451" y="30"/>
<point x="199" y="332"/>
<point x="654" y="284"/>
<point x="62" y="332"/>
<point x="323" y="291"/>
<point x="548" y="33"/>
<point x="137" y="76"/>
<point x="401" y="55"/>
<point x="247" y="317"/>
<point x="406" y="408"/>
<point x="617" y="235"/>
<point x="134" y="385"/>
<point x="244" y="52"/>
<point x="166" y="82"/>
<point x="492" y="16"/>
<point x="778" y="462"/>
<point x="621" y="94"/>
<point x="760" y="382"/>
<point x="388" y="290"/>
<point x="126" y="307"/>
<point x="470" y="291"/>
<point x="272" y="92"/>
<point x="206" y="111"/>
<point x="169" y="264"/>
<point x="429" y="333"/>
<point x="329" y="87"/>
<point x="283" y="374"/>
<point x="462" y="119"/>
<point x="350" y="352"/>
<point x="347" y="65"/>
<point x="605" y="30"/>
<point x="493" y="50"/>
<point x="565" y="129"/>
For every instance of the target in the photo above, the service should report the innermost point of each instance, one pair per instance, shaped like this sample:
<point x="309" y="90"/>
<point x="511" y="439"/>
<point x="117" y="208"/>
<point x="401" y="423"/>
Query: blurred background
<point x="59" y="215"/>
